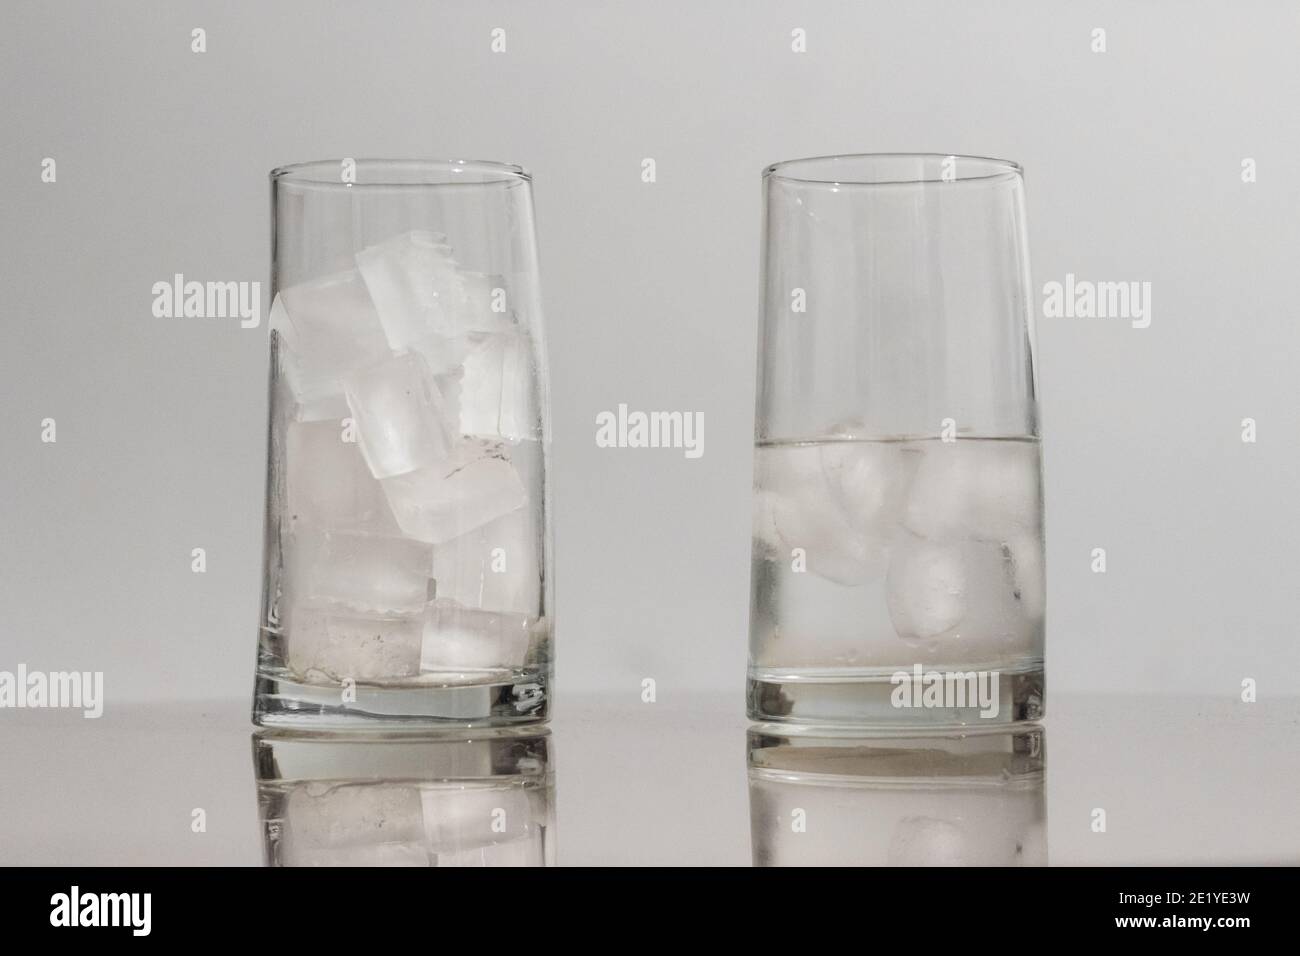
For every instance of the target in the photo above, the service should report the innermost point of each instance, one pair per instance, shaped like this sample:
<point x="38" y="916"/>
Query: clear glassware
<point x="898" y="570"/>
<point x="474" y="800"/>
<point x="973" y="798"/>
<point x="407" y="539"/>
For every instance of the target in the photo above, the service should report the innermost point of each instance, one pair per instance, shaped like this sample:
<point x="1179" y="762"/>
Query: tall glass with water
<point x="898" y="572"/>
<point x="407" y="545"/>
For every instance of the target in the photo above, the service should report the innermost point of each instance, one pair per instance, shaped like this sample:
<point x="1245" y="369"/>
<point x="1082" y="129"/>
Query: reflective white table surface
<point x="622" y="782"/>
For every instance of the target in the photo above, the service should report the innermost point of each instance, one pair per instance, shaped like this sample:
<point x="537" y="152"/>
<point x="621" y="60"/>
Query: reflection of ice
<point x="472" y="815"/>
<point x="468" y="801"/>
<point x="925" y="841"/>
<point x="950" y="799"/>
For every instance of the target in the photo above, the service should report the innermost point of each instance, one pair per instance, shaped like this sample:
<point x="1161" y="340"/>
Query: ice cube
<point x="459" y="639"/>
<point x="494" y="568"/>
<point x="328" y="327"/>
<point x="925" y="588"/>
<point x="399" y="415"/>
<point x="341" y="644"/>
<point x="964" y="591"/>
<point x="474" y="486"/>
<point x="835" y="503"/>
<point x="445" y="354"/>
<point x="328" y="483"/>
<point x="418" y="288"/>
<point x="495" y="390"/>
<point x="462" y="817"/>
<point x="927" y="841"/>
<point x="869" y="481"/>
<point x="358" y="570"/>
<point x="332" y="407"/>
<point x="487" y="305"/>
<point x="982" y="489"/>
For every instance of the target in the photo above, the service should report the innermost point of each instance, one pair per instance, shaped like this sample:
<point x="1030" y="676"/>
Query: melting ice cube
<point x="868" y="480"/>
<point x="399" y="415"/>
<point x="458" y="639"/>
<point x="926" y="588"/>
<point x="476" y="484"/>
<point x="835" y="502"/>
<point x="965" y="590"/>
<point x="983" y="489"/>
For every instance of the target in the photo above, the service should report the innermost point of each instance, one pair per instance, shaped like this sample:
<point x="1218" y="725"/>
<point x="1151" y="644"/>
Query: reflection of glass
<point x="897" y="487"/>
<point x="329" y="800"/>
<point x="958" y="799"/>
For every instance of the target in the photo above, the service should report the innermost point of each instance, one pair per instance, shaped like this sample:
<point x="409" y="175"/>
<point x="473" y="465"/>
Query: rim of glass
<point x="890" y="169"/>
<point x="389" y="173"/>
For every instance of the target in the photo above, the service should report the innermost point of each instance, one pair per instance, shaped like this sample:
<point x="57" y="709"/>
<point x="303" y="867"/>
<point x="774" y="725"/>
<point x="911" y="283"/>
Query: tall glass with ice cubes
<point x="407" y="573"/>
<point x="898" y="570"/>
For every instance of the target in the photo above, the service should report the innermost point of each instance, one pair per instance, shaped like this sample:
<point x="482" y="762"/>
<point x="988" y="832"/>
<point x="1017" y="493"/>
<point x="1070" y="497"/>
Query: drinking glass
<point x="898" y="541"/>
<point x="407" y="546"/>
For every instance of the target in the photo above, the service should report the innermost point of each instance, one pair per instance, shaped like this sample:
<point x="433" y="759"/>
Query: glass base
<point x="938" y="696"/>
<point x="520" y="699"/>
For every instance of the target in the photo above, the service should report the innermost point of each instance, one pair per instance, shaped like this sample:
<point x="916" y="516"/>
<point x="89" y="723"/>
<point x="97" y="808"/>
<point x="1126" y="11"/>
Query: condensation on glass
<point x="898" y="569"/>
<point x="407" y="545"/>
